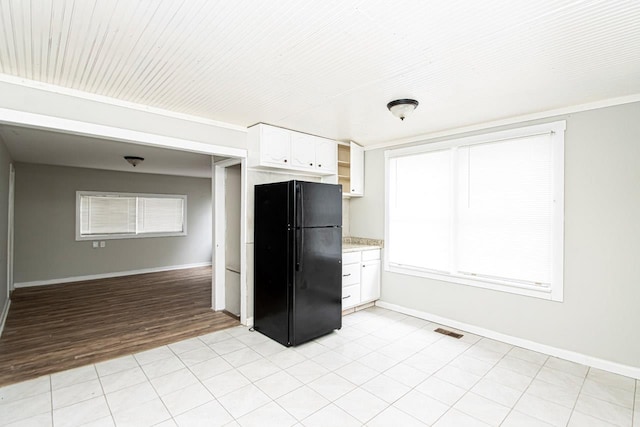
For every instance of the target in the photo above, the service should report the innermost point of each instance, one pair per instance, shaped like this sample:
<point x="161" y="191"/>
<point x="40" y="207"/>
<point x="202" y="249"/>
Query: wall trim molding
<point x="47" y="87"/>
<point x="108" y="275"/>
<point x="427" y="137"/>
<point x="5" y="313"/>
<point x="607" y="365"/>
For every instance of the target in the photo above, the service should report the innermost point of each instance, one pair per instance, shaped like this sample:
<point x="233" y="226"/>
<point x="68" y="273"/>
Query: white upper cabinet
<point x="303" y="151"/>
<point x="274" y="147"/>
<point x="357" y="170"/>
<point x="326" y="155"/>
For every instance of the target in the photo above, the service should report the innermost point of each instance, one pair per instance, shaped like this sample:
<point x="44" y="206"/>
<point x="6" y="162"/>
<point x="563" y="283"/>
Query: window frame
<point x="555" y="291"/>
<point x="81" y="237"/>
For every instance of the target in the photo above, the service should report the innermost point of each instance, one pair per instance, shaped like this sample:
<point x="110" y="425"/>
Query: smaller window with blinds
<point x="106" y="215"/>
<point x="485" y="211"/>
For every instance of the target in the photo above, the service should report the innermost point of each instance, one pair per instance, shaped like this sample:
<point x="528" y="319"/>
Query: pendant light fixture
<point x="401" y="108"/>
<point x="134" y="160"/>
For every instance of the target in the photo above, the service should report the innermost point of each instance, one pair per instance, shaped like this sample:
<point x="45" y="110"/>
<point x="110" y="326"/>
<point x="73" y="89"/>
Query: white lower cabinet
<point x="350" y="296"/>
<point x="360" y="277"/>
<point x="370" y="281"/>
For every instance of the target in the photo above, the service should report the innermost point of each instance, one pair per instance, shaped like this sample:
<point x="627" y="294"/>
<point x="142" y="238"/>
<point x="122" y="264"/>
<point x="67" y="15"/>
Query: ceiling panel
<point x="329" y="67"/>
<point x="55" y="148"/>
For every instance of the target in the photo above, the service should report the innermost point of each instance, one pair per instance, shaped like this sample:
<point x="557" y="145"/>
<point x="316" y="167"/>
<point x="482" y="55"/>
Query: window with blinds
<point x="126" y="215"/>
<point x="484" y="211"/>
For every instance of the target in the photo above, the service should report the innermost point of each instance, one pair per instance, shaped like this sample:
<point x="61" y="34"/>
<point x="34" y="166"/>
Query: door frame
<point x="10" y="228"/>
<point x="76" y="127"/>
<point x="218" y="261"/>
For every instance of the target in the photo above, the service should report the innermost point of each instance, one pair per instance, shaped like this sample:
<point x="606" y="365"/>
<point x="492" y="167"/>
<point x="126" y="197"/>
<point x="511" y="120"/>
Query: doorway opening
<point x="229" y="254"/>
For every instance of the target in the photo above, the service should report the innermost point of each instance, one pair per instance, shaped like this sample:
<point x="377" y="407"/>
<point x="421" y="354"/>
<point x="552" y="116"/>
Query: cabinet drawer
<point x="350" y="257"/>
<point x="371" y="254"/>
<point x="350" y="274"/>
<point x="350" y="296"/>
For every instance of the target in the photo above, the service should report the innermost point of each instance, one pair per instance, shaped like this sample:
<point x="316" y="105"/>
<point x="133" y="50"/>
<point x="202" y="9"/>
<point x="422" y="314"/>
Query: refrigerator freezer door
<point x="317" y="303"/>
<point x="318" y="205"/>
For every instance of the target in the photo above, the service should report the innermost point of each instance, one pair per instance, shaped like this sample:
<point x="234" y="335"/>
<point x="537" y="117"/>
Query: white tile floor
<point x="382" y="369"/>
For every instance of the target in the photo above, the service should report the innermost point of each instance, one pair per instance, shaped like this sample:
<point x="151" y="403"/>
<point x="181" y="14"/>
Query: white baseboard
<point x="108" y="275"/>
<point x="607" y="365"/>
<point x="5" y="313"/>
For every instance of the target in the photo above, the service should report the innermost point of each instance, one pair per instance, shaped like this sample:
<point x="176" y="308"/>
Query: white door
<point x="275" y="146"/>
<point x="303" y="151"/>
<point x="370" y="280"/>
<point x="357" y="170"/>
<point x="326" y="155"/>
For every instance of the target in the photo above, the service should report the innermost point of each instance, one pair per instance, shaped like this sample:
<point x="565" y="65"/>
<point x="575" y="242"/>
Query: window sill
<point x="551" y="293"/>
<point x="126" y="236"/>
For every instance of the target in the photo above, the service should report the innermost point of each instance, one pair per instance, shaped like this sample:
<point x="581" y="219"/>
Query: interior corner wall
<point x="599" y="315"/>
<point x="45" y="210"/>
<point x="5" y="162"/>
<point x="40" y="101"/>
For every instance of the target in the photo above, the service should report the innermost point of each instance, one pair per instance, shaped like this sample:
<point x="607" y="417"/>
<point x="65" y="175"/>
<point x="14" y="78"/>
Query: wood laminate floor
<point x="58" y="327"/>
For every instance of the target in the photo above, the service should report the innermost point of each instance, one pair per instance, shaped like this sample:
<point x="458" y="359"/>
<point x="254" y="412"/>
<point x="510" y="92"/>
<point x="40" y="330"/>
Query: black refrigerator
<point x="297" y="260"/>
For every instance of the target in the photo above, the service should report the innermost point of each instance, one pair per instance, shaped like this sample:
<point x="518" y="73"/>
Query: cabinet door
<point x="275" y="146"/>
<point x="326" y="155"/>
<point x="357" y="170"/>
<point x="370" y="281"/>
<point x="303" y="154"/>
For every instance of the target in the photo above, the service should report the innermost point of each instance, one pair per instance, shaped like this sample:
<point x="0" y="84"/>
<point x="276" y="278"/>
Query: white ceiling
<point x="53" y="148"/>
<point x="329" y="67"/>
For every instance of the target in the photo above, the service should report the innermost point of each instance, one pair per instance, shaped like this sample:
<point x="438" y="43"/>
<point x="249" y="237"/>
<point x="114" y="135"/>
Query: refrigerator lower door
<point x="317" y="291"/>
<point x="272" y="270"/>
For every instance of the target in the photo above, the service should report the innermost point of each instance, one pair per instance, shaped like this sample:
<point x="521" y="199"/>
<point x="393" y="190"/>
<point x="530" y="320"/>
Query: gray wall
<point x="5" y="161"/>
<point x="599" y="316"/>
<point x="45" y="245"/>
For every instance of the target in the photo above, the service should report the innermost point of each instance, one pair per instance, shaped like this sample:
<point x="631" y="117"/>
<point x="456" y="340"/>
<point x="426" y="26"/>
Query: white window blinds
<point x="504" y="210"/>
<point x="420" y="214"/>
<point x="157" y="215"/>
<point x="129" y="215"/>
<point x="479" y="209"/>
<point x="107" y="215"/>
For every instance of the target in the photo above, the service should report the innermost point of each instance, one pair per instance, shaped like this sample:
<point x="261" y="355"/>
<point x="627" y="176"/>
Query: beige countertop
<point x="351" y="247"/>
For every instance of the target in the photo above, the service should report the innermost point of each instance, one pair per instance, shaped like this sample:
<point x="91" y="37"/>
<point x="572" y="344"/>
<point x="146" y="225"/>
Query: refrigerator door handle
<point x="300" y="249"/>
<point x="300" y="239"/>
<point x="301" y="206"/>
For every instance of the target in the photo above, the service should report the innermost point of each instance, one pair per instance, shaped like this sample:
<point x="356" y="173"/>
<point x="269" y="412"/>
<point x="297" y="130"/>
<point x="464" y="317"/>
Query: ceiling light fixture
<point x="134" y="160"/>
<point x="401" y="108"/>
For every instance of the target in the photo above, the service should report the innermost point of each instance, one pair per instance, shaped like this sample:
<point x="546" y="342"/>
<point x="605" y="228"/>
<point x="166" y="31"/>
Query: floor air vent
<point x="448" y="333"/>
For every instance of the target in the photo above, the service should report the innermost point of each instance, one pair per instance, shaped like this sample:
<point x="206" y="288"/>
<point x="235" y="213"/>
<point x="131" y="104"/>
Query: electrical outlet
<point x="103" y="244"/>
<point x="94" y="245"/>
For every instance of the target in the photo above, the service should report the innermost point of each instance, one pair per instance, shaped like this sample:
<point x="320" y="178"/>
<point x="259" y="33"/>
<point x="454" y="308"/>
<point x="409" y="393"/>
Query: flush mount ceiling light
<point x="401" y="108"/>
<point x="134" y="160"/>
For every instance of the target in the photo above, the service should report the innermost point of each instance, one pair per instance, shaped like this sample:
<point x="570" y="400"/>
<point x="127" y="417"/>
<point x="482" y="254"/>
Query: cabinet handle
<point x="348" y="296"/>
<point x="310" y="164"/>
<point x="353" y="190"/>
<point x="319" y="166"/>
<point x="285" y="160"/>
<point x="345" y="275"/>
